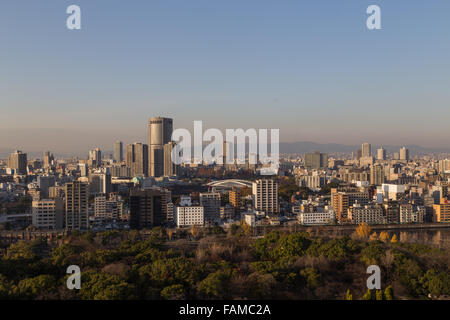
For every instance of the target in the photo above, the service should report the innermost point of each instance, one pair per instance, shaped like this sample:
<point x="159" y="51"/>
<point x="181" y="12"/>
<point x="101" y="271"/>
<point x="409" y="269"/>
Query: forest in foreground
<point x="215" y="264"/>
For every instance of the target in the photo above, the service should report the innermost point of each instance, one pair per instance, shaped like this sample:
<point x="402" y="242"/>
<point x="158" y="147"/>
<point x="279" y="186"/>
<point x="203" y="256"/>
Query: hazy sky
<point x="310" y="68"/>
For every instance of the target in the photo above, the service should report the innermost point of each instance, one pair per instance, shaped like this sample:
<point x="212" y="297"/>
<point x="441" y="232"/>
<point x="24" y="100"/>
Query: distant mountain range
<point x="306" y="146"/>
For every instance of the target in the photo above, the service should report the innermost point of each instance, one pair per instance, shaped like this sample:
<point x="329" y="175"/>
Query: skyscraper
<point x="381" y="154"/>
<point x="118" y="151"/>
<point x="48" y="159"/>
<point x="77" y="206"/>
<point x="404" y="154"/>
<point x="159" y="133"/>
<point x="18" y="161"/>
<point x="95" y="158"/>
<point x="170" y="168"/>
<point x="366" y="150"/>
<point x="137" y="159"/>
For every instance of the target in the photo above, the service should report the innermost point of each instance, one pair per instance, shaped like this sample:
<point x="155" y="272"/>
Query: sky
<point x="309" y="68"/>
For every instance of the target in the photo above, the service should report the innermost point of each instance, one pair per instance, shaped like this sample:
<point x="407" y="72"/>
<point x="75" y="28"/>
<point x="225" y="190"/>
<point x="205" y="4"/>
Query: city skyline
<point x="313" y="70"/>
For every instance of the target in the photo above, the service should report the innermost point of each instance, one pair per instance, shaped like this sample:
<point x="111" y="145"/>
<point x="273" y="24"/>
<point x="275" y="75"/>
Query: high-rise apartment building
<point x="118" y="151"/>
<point x="137" y="159"/>
<point x="76" y="206"/>
<point x="265" y="195"/>
<point x="159" y="133"/>
<point x="211" y="203"/>
<point x="149" y="208"/>
<point x="18" y="161"/>
<point x="376" y="174"/>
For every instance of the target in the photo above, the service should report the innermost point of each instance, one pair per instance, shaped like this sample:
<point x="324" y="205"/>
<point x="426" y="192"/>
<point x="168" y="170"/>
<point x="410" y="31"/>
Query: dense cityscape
<point x="138" y="186"/>
<point x="119" y="214"/>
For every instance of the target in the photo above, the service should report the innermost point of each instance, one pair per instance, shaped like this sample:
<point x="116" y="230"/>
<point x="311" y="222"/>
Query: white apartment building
<point x="317" y="218"/>
<point x="186" y="216"/>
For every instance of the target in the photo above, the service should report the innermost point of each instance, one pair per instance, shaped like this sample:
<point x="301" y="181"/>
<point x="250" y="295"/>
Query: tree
<point x="384" y="236"/>
<point x="31" y="288"/>
<point x="348" y="295"/>
<point x="215" y="285"/>
<point x="246" y="228"/>
<point x="394" y="239"/>
<point x="367" y="295"/>
<point x="195" y="232"/>
<point x="379" y="295"/>
<point x="174" y="292"/>
<point x="389" y="293"/>
<point x="373" y="237"/>
<point x="363" y="231"/>
<point x="169" y="233"/>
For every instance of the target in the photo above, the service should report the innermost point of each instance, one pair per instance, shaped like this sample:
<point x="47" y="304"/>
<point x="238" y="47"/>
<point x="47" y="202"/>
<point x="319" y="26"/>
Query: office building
<point x="404" y="154"/>
<point x="118" y="151"/>
<point x="376" y="174"/>
<point x="159" y="133"/>
<point x="381" y="154"/>
<point x="95" y="158"/>
<point x="316" y="160"/>
<point x="18" y="162"/>
<point x="48" y="159"/>
<point x="137" y="159"/>
<point x="366" y="150"/>
<point x="170" y="168"/>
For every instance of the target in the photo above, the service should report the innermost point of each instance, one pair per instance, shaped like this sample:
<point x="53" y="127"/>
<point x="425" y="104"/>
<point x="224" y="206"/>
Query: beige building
<point x="48" y="214"/>
<point x="265" y="196"/>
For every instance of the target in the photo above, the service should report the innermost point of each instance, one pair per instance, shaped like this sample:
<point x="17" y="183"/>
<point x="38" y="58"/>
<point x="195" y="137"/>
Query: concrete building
<point x="317" y="218"/>
<point x="137" y="159"/>
<point x="149" y="208"/>
<point x="316" y="160"/>
<point x="265" y="196"/>
<point x="18" y="162"/>
<point x="211" y="202"/>
<point x="76" y="207"/>
<point x="118" y="151"/>
<point x="370" y="214"/>
<point x="381" y="154"/>
<point x="404" y="154"/>
<point x="159" y="133"/>
<point x="441" y="212"/>
<point x="366" y="150"/>
<point x="48" y="214"/>
<point x="187" y="215"/>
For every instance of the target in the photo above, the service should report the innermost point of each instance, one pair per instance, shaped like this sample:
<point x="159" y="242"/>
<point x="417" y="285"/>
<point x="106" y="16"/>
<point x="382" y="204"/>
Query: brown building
<point x="441" y="212"/>
<point x="342" y="200"/>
